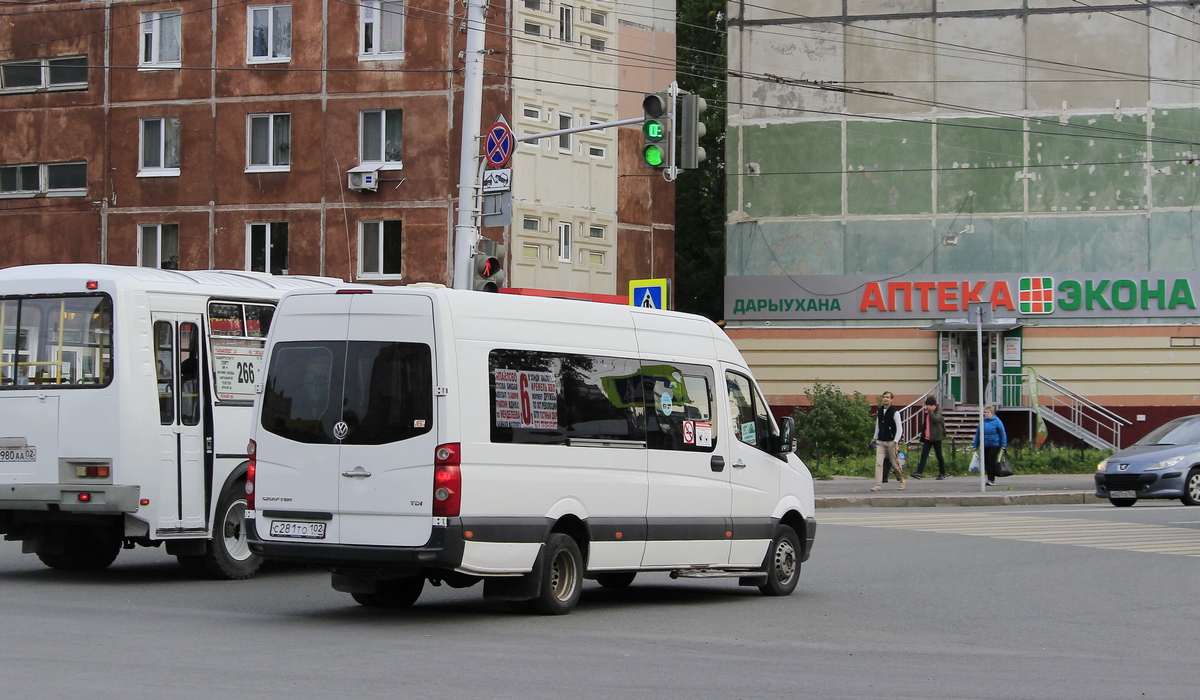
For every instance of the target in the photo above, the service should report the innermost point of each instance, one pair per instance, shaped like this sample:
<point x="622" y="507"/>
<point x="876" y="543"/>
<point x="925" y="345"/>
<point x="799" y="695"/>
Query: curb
<point x="982" y="499"/>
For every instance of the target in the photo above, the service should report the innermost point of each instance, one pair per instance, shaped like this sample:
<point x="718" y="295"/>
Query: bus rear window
<point x="63" y="341"/>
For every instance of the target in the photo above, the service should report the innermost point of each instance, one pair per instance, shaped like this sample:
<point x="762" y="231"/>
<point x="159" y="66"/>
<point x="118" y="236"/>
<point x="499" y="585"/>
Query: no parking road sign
<point x="650" y="294"/>
<point x="500" y="143"/>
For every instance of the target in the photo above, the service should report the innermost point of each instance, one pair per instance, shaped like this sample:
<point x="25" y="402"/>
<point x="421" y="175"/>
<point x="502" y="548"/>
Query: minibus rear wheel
<point x="392" y="593"/>
<point x="617" y="579"/>
<point x="562" y="576"/>
<point x="228" y="554"/>
<point x="782" y="563"/>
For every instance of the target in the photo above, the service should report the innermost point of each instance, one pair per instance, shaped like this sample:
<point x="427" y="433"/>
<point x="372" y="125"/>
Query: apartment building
<point x="310" y="137"/>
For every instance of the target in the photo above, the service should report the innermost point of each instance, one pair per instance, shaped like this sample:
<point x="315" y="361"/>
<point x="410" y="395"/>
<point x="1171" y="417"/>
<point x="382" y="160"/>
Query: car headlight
<point x="1102" y="465"/>
<point x="1165" y="463"/>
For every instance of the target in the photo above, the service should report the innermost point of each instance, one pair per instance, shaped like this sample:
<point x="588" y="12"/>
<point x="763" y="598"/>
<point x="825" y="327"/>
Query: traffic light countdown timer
<point x="656" y="129"/>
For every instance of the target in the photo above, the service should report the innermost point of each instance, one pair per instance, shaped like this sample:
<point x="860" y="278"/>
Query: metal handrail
<point x="1085" y="414"/>
<point x="908" y="414"/>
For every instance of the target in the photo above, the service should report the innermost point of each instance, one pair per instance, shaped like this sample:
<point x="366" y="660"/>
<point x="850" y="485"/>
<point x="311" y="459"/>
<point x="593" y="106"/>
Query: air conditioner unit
<point x="363" y="180"/>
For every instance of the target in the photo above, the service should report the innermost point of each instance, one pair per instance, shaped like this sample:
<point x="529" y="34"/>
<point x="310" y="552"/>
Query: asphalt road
<point x="1014" y="602"/>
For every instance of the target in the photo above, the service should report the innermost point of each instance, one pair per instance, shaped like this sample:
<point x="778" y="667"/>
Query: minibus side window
<point x="189" y="374"/>
<point x="164" y="353"/>
<point x="679" y="407"/>
<point x="752" y="422"/>
<point x="303" y="391"/>
<point x="388" y="394"/>
<point x="554" y="398"/>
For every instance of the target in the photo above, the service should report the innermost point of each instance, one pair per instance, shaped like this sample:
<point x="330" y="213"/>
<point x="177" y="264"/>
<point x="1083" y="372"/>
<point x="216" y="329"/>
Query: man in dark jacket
<point x="888" y="433"/>
<point x="931" y="430"/>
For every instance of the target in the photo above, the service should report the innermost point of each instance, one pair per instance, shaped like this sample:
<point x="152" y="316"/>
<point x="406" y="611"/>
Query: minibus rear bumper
<point x="444" y="550"/>
<point x="70" y="498"/>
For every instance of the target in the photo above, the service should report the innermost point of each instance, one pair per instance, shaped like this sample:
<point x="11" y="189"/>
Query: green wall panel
<point x="997" y="245"/>
<point x="801" y="165"/>
<point x="889" y="168"/>
<point x="1176" y="183"/>
<point x="892" y="247"/>
<point x="1174" y="240"/>
<point x="786" y="248"/>
<point x="1110" y="243"/>
<point x="978" y="161"/>
<point x="1091" y="163"/>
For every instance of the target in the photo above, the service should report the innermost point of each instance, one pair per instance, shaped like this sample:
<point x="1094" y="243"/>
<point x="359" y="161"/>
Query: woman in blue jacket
<point x="994" y="440"/>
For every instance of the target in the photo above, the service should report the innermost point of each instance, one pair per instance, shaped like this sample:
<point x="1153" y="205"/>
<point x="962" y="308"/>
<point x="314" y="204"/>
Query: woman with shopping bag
<point x="994" y="440"/>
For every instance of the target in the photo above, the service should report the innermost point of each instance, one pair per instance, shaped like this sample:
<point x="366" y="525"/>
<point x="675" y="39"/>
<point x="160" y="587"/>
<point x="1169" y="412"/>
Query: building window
<point x="533" y="4"/>
<point x="158" y="246"/>
<point x="381" y="29"/>
<point x="379" y="249"/>
<point x="597" y="44"/>
<point x="160" y="147"/>
<point x="269" y="142"/>
<point x="532" y="112"/>
<point x="69" y="73"/>
<point x="600" y="18"/>
<point x="564" y="140"/>
<point x="566" y="30"/>
<point x="50" y="179"/>
<point x="531" y="252"/>
<point x="531" y="224"/>
<point x="161" y="39"/>
<point x="596" y="151"/>
<point x="595" y="258"/>
<point x="532" y="29"/>
<point x="270" y="34"/>
<point x="267" y="247"/>
<point x="596" y="232"/>
<point x="380" y="136"/>
<point x="564" y="241"/>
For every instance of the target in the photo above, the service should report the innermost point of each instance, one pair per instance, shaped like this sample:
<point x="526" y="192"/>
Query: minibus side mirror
<point x="787" y="438"/>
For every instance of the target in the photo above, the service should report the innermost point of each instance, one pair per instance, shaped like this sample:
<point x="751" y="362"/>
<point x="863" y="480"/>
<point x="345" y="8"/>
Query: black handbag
<point x="1004" y="466"/>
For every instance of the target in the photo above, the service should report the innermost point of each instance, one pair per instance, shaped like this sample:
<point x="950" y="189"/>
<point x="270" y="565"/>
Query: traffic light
<point x="690" y="131"/>
<point x="656" y="130"/>
<point x="488" y="267"/>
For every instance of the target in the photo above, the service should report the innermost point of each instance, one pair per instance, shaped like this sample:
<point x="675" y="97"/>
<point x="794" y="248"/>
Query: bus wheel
<point x="562" y="576"/>
<point x="83" y="549"/>
<point x="782" y="563"/>
<point x="229" y="556"/>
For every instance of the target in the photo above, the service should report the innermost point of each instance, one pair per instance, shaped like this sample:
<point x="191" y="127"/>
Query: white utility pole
<point x="465" y="232"/>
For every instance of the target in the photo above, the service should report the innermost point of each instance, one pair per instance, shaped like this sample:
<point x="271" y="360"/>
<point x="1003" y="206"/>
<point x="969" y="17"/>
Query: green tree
<point x="700" y="194"/>
<point x="835" y="425"/>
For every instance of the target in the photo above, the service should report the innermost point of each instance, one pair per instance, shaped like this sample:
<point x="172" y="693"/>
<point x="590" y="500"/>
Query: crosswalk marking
<point x="1099" y="534"/>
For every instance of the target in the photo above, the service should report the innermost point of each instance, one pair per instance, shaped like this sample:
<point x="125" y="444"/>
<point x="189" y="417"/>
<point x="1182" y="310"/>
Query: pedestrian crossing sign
<point x="650" y="294"/>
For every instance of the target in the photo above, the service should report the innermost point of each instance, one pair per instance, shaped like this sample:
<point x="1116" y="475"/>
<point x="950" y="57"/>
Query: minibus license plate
<point x="18" y="454"/>
<point x="1122" y="494"/>
<point x="305" y="531"/>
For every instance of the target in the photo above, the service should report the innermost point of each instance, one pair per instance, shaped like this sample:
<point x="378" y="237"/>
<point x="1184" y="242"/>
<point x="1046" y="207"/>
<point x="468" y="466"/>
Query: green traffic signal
<point x="653" y="155"/>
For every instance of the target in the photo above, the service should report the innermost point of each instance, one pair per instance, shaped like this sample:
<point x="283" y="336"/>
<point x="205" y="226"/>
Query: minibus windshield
<point x="56" y="341"/>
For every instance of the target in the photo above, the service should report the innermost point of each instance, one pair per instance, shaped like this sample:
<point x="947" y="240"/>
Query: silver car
<point x="1163" y="464"/>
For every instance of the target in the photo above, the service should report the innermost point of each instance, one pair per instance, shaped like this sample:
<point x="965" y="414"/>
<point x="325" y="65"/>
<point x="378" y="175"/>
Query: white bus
<point x="125" y="400"/>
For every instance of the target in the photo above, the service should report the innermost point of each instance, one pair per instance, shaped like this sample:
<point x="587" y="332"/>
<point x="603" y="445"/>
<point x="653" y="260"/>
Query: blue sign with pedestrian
<point x="650" y="294"/>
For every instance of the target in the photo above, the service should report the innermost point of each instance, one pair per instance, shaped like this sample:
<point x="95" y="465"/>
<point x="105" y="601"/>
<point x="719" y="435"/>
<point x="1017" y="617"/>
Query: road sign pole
<point x="465" y="232"/>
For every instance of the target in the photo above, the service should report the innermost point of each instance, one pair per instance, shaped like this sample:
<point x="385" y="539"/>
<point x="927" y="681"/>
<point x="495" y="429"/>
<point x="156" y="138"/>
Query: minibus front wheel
<point x="782" y="563"/>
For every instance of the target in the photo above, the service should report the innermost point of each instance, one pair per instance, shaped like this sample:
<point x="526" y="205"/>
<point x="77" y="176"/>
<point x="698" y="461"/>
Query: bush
<point x="834" y="427"/>
<point x="1025" y="459"/>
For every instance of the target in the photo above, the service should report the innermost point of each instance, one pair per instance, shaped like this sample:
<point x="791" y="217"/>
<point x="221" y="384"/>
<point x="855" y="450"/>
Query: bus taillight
<point x="447" y="481"/>
<point x="250" y="471"/>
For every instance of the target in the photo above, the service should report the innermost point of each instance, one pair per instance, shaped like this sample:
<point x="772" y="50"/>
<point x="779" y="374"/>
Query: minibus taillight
<point x="447" y="481"/>
<point x="250" y="471"/>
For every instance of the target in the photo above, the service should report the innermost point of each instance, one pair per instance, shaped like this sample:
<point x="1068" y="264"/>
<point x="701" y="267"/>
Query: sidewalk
<point x="1018" y="490"/>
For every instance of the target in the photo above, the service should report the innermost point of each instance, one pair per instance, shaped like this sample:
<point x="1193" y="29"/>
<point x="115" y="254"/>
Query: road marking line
<point x="1097" y="534"/>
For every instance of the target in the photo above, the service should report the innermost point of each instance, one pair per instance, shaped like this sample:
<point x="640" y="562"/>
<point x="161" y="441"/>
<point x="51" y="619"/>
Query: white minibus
<point x="125" y="408"/>
<point x="406" y="435"/>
